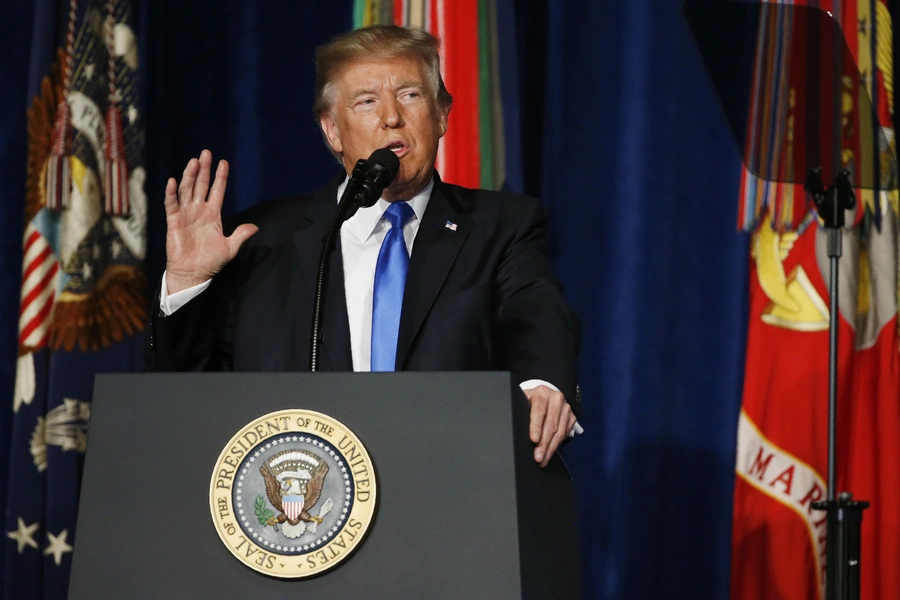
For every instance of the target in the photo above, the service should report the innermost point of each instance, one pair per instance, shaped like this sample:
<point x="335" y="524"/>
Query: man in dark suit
<point x="433" y="277"/>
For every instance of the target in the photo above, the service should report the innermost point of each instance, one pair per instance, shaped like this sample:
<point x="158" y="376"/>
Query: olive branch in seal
<point x="262" y="512"/>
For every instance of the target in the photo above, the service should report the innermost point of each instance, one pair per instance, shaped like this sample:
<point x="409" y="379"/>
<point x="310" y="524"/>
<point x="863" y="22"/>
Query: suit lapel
<point x="308" y="243"/>
<point x="434" y="252"/>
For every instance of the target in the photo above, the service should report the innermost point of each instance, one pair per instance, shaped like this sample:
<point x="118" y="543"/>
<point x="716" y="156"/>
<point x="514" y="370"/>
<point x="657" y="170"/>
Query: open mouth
<point x="398" y="148"/>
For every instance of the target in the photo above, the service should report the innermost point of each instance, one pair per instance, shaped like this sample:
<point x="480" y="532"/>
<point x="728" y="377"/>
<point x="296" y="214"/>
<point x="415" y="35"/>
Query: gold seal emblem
<point x="293" y="493"/>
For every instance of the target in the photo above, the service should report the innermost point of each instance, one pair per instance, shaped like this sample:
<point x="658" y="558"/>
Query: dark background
<point x="624" y="141"/>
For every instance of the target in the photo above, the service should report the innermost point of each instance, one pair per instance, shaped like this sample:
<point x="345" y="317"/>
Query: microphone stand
<point x="367" y="180"/>
<point x="844" y="514"/>
<point x="340" y="215"/>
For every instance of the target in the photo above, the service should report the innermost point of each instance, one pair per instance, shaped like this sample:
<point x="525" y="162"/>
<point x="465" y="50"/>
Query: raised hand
<point x="196" y="246"/>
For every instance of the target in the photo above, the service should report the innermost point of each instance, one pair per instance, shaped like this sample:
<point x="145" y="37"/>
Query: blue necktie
<point x="390" y="280"/>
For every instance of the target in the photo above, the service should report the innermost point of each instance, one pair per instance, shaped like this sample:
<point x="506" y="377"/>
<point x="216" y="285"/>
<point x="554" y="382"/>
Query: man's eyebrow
<point x="401" y="85"/>
<point x="362" y="92"/>
<point x="410" y="83"/>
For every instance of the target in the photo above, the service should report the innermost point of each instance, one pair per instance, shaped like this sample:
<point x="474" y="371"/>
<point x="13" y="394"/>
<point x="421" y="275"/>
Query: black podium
<point x="463" y="510"/>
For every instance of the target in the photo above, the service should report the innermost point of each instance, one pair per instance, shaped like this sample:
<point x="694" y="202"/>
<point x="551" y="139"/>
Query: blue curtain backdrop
<point x="15" y="45"/>
<point x="623" y="140"/>
<point x="640" y="178"/>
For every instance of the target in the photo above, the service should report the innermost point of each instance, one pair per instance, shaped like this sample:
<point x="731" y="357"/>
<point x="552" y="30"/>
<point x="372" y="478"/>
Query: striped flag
<point x="293" y="506"/>
<point x="39" y="279"/>
<point x="83" y="294"/>
<point x="778" y="541"/>
<point x="480" y="148"/>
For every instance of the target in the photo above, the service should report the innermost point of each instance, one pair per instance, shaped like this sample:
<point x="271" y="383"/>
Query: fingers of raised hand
<point x="171" y="202"/>
<point x="201" y="184"/>
<point x="194" y="186"/>
<point x="217" y="192"/>
<point x="238" y="237"/>
<point x="186" y="187"/>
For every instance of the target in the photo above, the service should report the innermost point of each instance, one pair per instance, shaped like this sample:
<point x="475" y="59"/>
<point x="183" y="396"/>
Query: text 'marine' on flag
<point x="83" y="297"/>
<point x="778" y="541"/>
<point x="472" y="153"/>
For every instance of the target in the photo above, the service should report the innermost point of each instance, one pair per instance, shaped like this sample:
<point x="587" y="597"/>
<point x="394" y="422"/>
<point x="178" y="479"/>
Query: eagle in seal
<point x="294" y="480"/>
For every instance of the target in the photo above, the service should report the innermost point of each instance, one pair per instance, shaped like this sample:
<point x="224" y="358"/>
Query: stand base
<point x="843" y="553"/>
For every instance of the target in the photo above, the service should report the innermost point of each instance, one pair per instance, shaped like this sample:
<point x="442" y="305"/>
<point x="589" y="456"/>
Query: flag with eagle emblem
<point x="779" y="542"/>
<point x="83" y="294"/>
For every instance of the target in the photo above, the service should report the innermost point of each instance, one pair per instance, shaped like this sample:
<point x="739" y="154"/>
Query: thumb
<point x="239" y="236"/>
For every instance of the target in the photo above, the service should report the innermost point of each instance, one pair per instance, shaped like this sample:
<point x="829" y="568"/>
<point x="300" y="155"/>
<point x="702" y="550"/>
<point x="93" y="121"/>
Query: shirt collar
<point x="363" y="223"/>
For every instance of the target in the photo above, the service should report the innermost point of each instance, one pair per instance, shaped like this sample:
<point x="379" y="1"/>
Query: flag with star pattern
<point x="83" y="296"/>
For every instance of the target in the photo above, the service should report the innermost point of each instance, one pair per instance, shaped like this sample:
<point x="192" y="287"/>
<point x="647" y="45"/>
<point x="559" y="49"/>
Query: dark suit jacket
<point x="482" y="297"/>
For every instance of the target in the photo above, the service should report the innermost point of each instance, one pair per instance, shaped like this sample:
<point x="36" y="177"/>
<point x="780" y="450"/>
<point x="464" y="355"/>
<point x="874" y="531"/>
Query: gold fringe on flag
<point x="58" y="177"/>
<point x="116" y="175"/>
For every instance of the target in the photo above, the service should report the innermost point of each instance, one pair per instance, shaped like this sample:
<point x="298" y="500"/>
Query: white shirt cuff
<point x="169" y="303"/>
<point x="533" y="383"/>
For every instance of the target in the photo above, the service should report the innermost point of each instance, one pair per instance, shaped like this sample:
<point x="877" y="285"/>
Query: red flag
<point x="778" y="541"/>
<point x="472" y="151"/>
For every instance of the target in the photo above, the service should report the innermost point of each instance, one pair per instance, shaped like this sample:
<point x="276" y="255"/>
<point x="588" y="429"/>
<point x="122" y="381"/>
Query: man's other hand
<point x="551" y="421"/>
<point x="196" y="246"/>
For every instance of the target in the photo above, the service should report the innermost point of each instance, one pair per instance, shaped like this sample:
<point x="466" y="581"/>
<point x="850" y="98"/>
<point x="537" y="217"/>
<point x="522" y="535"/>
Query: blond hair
<point x="379" y="42"/>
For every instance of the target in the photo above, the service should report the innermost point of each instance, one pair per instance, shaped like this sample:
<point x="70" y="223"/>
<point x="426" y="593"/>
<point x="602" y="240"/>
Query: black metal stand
<point x="844" y="514"/>
<point x="844" y="537"/>
<point x="367" y="180"/>
<point x="341" y="214"/>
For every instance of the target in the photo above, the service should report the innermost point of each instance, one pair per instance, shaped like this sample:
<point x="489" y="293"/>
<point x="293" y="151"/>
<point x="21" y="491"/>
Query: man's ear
<point x="443" y="115"/>
<point x="330" y="130"/>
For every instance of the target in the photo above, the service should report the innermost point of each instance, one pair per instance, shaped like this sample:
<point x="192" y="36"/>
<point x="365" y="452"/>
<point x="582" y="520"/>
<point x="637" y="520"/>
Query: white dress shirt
<point x="361" y="238"/>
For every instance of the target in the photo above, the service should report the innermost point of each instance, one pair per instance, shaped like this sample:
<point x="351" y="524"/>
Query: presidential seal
<point x="293" y="493"/>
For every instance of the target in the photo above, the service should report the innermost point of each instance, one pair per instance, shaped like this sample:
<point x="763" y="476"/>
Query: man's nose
<point x="392" y="114"/>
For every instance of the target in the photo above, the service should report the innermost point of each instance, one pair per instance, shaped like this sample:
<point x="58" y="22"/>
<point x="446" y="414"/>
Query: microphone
<point x="356" y="178"/>
<point x="377" y="173"/>
<point x="367" y="181"/>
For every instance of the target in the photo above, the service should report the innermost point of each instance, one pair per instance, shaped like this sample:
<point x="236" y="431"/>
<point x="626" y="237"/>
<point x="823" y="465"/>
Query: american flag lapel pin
<point x="450" y="225"/>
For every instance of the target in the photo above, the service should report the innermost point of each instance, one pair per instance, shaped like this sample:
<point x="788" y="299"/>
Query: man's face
<point x="387" y="104"/>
